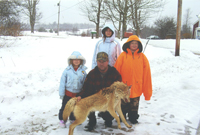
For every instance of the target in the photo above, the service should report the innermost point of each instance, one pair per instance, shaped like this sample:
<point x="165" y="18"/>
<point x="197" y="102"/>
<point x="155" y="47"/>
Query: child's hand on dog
<point x="79" y="98"/>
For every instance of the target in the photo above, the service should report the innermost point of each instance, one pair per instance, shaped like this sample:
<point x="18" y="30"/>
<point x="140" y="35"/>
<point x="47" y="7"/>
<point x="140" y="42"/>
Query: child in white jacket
<point x="71" y="82"/>
<point x="107" y="44"/>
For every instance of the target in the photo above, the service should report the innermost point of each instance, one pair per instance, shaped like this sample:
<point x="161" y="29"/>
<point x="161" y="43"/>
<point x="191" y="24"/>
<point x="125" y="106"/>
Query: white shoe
<point x="62" y="124"/>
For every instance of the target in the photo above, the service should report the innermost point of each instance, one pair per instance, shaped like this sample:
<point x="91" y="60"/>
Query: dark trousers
<point x="64" y="102"/>
<point x="131" y="108"/>
<point x="105" y="115"/>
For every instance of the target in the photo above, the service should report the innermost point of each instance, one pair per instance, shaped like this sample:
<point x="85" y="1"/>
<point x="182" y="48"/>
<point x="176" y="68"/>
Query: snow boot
<point x="62" y="124"/>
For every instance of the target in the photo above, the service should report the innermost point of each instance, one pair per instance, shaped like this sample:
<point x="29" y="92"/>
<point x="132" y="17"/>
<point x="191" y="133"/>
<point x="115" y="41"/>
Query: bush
<point x="41" y="29"/>
<point x="51" y="31"/>
<point x="83" y="34"/>
<point x="11" y="29"/>
<point x="187" y="35"/>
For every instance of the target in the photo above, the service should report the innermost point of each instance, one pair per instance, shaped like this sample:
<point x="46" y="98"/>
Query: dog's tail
<point x="69" y="107"/>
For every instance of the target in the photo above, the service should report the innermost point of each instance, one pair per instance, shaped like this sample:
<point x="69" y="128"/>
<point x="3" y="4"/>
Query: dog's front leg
<point x="112" y="112"/>
<point x="119" y="111"/>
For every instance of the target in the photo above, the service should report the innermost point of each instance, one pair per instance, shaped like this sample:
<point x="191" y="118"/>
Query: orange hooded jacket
<point x="135" y="70"/>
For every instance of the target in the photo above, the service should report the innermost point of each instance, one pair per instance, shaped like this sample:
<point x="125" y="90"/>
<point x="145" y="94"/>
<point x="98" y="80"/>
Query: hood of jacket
<point x="127" y="43"/>
<point x="110" y="26"/>
<point x="76" y="55"/>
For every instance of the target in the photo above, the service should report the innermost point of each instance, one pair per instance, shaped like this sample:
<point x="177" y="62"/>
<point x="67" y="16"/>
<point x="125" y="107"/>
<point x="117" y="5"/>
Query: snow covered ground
<point x="30" y="71"/>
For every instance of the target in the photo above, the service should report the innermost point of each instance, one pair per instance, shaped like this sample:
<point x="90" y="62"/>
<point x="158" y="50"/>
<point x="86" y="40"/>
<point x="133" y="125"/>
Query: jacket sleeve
<point x="87" y="89"/>
<point x="119" y="77"/>
<point x="94" y="62"/>
<point x="118" y="63"/>
<point x="147" y="83"/>
<point x="84" y="77"/>
<point x="63" y="81"/>
<point x="118" y="49"/>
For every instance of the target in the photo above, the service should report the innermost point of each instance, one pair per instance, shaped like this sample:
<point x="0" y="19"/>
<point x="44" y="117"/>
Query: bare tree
<point x="186" y="24"/>
<point x="123" y="10"/>
<point x="110" y="13"/>
<point x="141" y="11"/>
<point x="132" y="12"/>
<point x="92" y="10"/>
<point x="118" y="12"/>
<point x="30" y="10"/>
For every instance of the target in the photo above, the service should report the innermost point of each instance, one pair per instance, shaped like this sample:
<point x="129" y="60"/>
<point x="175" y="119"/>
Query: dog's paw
<point x="129" y="126"/>
<point x="119" y="126"/>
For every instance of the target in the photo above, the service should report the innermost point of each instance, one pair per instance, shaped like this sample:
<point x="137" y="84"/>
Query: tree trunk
<point x="137" y="32"/>
<point x="32" y="28"/>
<point x="137" y="19"/>
<point x="97" y="30"/>
<point x="119" y="29"/>
<point x="124" y="26"/>
<point x="98" y="18"/>
<point x="125" y="18"/>
<point x="32" y="15"/>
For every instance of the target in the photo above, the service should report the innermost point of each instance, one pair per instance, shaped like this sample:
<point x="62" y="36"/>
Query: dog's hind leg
<point x="119" y="111"/>
<point x="77" y="122"/>
<point x="80" y="118"/>
<point x="69" y="107"/>
<point x="66" y="113"/>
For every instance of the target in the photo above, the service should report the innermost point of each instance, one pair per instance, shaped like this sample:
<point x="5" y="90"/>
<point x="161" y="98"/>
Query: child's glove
<point x="61" y="97"/>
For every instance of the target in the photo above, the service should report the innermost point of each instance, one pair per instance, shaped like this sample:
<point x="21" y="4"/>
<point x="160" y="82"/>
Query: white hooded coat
<point x="110" y="46"/>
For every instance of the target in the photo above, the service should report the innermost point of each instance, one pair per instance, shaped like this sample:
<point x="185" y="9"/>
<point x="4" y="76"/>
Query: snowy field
<point x="30" y="71"/>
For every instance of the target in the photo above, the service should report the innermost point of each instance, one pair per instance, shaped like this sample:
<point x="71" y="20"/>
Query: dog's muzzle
<point x="126" y="100"/>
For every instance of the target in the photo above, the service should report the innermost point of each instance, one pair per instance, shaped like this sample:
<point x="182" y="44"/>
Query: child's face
<point x="76" y="62"/>
<point x="108" y="33"/>
<point x="133" y="45"/>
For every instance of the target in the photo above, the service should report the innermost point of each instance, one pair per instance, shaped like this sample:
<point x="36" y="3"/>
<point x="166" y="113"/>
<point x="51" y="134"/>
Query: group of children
<point x="74" y="75"/>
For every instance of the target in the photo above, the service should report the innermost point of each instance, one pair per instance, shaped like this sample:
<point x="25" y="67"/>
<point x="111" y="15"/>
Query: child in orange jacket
<point x="134" y="68"/>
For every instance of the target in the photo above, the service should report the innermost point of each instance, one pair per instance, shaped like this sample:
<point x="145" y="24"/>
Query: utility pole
<point x="58" y="17"/>
<point x="178" y="29"/>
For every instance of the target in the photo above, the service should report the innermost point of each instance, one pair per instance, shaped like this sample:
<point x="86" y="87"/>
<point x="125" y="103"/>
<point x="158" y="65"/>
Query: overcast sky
<point x="70" y="12"/>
